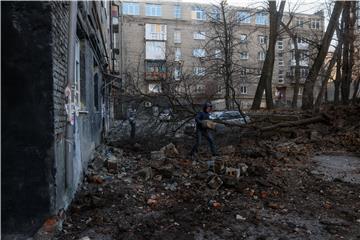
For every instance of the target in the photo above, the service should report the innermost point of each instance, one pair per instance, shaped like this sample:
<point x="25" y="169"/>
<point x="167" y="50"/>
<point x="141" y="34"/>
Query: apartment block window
<point x="199" y="71"/>
<point x="262" y="39"/>
<point x="280" y="44"/>
<point x="215" y="15"/>
<point x="244" y="55"/>
<point x="281" y="72"/>
<point x="177" y="54"/>
<point x="244" y="17"/>
<point x="199" y="89"/>
<point x="177" y="11"/>
<point x="243" y="38"/>
<point x="304" y="72"/>
<point x="217" y="53"/>
<point x="131" y="8"/>
<point x="243" y="72"/>
<point x="281" y="62"/>
<point x="198" y="14"/>
<point x="304" y="56"/>
<point x="177" y="37"/>
<point x="300" y="40"/>
<point x="153" y="10"/>
<point x="199" y="52"/>
<point x="301" y="89"/>
<point x="261" y="56"/>
<point x="243" y="90"/>
<point x="155" y="88"/>
<point x="155" y="32"/>
<point x="262" y="18"/>
<point x="300" y="22"/>
<point x="315" y="23"/>
<point x="177" y="73"/>
<point x="281" y="79"/>
<point x="199" y="35"/>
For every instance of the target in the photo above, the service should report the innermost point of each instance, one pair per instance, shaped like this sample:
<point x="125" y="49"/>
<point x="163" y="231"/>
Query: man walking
<point x="203" y="131"/>
<point x="131" y="115"/>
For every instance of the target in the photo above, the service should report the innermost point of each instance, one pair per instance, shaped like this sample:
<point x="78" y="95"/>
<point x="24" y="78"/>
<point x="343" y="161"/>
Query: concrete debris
<point x="95" y="179"/>
<point x="171" y="186"/>
<point x="243" y="169"/>
<point x="112" y="165"/>
<point x="85" y="238"/>
<point x="170" y="150"/>
<point x="233" y="172"/>
<point x="260" y="187"/>
<point x="239" y="217"/>
<point x="229" y="149"/>
<point x="157" y="155"/>
<point x="145" y="173"/>
<point x="215" y="182"/>
<point x="315" y="136"/>
<point x="214" y="204"/>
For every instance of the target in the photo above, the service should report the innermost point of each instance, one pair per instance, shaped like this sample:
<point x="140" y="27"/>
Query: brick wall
<point x="60" y="21"/>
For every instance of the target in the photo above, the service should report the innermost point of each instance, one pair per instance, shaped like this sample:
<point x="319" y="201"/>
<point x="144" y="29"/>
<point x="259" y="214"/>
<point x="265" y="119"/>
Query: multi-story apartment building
<point x="160" y="34"/>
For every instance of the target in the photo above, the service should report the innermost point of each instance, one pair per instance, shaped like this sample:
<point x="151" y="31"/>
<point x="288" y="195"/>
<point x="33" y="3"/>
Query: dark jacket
<point x="200" y="116"/>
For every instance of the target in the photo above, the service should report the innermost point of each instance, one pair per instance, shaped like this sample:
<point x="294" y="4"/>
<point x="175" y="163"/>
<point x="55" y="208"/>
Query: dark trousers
<point x="132" y="129"/>
<point x="204" y="133"/>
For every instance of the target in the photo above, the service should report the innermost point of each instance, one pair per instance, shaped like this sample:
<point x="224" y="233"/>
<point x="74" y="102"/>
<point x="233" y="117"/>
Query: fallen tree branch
<point x="319" y="118"/>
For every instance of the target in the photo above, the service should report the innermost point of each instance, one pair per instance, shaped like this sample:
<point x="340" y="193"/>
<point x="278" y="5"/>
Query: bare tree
<point x="325" y="77"/>
<point x="265" y="82"/>
<point x="349" y="19"/>
<point x="308" y="95"/>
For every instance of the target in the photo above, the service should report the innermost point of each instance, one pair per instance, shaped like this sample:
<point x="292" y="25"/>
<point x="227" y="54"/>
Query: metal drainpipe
<point x="69" y="134"/>
<point x="121" y="56"/>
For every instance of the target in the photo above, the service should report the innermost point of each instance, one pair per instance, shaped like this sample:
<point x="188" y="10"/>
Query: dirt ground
<point x="297" y="182"/>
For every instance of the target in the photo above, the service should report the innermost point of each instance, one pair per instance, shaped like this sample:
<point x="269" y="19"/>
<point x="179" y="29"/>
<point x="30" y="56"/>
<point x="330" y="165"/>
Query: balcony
<point x="155" y="76"/>
<point x="301" y="46"/>
<point x="302" y="63"/>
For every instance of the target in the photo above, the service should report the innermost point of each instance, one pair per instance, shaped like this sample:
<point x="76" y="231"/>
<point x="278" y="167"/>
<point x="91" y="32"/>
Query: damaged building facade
<point x="58" y="91"/>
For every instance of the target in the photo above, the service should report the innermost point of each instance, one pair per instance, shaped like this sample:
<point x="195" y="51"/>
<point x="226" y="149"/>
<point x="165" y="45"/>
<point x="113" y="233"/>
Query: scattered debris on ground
<point x="269" y="185"/>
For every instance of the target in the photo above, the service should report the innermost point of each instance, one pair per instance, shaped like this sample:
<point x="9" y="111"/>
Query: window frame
<point x="198" y="13"/>
<point x="177" y="39"/>
<point x="261" y="56"/>
<point x="177" y="11"/>
<point x="199" y="52"/>
<point x="244" y="58"/>
<point x="199" y="35"/>
<point x="133" y="6"/>
<point x="243" y="89"/>
<point x="262" y="18"/>
<point x="246" y="19"/>
<point x="153" y="10"/>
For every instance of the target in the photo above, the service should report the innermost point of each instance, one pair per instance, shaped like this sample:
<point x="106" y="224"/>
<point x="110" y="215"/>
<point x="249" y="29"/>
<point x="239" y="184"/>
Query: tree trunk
<point x="265" y="82"/>
<point x="325" y="81"/>
<point x="345" y="87"/>
<point x="308" y="96"/>
<point x="356" y="89"/>
<point x="297" y="74"/>
<point x="348" y="50"/>
<point x="337" y="82"/>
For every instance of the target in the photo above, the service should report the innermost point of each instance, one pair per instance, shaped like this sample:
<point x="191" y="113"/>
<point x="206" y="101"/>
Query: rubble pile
<point x="260" y="187"/>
